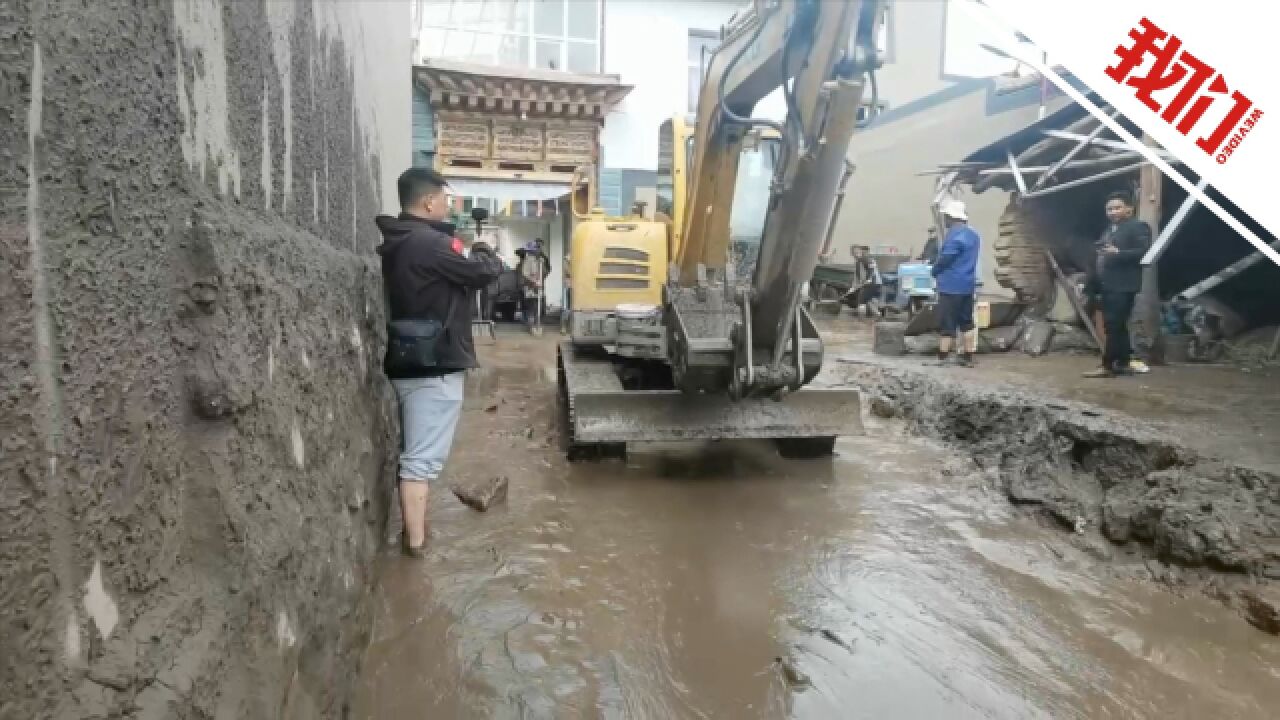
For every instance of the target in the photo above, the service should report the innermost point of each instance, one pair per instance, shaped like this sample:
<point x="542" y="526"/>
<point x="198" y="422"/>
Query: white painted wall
<point x="888" y="202"/>
<point x="646" y="43"/>
<point x="377" y="34"/>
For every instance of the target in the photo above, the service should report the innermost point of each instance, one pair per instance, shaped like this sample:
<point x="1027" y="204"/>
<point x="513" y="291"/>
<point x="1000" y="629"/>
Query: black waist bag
<point x="414" y="344"/>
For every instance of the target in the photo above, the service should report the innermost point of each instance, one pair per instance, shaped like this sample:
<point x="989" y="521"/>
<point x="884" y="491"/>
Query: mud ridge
<point x="1091" y="469"/>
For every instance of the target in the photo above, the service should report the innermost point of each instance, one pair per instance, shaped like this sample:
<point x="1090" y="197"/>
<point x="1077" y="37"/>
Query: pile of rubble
<point x="1010" y="329"/>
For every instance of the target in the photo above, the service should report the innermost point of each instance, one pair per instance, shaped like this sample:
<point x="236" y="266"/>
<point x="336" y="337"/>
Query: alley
<point x="721" y="581"/>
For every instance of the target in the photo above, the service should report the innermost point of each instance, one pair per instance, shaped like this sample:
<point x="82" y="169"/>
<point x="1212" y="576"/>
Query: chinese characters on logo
<point x="1189" y="74"/>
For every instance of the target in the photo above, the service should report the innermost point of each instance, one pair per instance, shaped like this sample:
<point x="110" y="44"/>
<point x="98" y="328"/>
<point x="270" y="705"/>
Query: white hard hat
<point x="955" y="209"/>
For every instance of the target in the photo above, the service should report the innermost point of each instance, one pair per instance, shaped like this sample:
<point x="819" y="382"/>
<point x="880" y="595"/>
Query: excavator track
<point x="601" y="417"/>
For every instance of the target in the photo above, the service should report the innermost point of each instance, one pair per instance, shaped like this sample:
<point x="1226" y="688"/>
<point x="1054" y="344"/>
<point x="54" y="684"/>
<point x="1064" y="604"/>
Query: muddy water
<point x="892" y="581"/>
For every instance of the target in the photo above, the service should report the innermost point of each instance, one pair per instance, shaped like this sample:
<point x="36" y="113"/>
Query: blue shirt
<point x="957" y="267"/>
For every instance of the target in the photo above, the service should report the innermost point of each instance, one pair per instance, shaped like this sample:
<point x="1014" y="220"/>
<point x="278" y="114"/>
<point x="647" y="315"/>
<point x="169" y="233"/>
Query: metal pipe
<point x="1017" y="174"/>
<point x="1085" y="181"/>
<point x="1062" y="161"/>
<point x="1175" y="224"/>
<point x="1101" y="142"/>
<point x="1038" y="148"/>
<point x="835" y="211"/>
<point x="1224" y="274"/>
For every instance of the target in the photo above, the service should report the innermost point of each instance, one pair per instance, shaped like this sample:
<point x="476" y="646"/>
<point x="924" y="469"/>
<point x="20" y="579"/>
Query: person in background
<point x="1115" y="280"/>
<point x="481" y="296"/>
<point x="956" y="273"/>
<point x="930" y="252"/>
<point x="866" y="282"/>
<point x="427" y="277"/>
<point x="534" y="268"/>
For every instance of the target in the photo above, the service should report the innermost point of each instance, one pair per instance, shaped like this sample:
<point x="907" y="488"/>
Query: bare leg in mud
<point x="413" y="506"/>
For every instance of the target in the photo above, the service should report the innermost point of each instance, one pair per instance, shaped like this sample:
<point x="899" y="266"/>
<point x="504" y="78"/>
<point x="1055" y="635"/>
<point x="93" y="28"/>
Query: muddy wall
<point x="195" y="440"/>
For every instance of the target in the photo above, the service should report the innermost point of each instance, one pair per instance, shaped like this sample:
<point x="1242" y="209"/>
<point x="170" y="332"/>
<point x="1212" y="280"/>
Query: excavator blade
<point x="616" y="416"/>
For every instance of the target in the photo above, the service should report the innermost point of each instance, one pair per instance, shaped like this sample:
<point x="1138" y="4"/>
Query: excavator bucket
<point x="670" y="416"/>
<point x="601" y="412"/>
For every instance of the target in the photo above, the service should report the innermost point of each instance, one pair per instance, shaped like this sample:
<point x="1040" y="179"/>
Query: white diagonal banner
<point x="1193" y="76"/>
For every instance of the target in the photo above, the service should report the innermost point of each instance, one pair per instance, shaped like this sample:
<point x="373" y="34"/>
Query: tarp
<point x="503" y="191"/>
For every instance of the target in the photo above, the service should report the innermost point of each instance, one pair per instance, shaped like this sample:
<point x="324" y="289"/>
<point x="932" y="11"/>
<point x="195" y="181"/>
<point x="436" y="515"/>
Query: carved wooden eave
<point x="470" y="87"/>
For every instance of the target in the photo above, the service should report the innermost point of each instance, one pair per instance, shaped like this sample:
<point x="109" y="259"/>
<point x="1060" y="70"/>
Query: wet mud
<point x="719" y="580"/>
<point x="1199" y="522"/>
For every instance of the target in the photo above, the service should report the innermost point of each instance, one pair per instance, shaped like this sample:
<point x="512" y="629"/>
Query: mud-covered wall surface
<point x="1198" y="522"/>
<point x="196" y="445"/>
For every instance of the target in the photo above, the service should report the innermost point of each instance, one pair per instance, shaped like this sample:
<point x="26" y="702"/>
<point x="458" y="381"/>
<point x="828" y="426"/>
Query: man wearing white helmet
<point x="956" y="273"/>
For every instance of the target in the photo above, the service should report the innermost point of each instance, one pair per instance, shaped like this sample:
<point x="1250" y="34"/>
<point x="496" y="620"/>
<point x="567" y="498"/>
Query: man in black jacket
<point x="1116" y="280"/>
<point x="427" y="277"/>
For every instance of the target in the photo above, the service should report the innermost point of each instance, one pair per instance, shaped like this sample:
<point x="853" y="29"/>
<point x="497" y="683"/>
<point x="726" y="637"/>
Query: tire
<point x="804" y="448"/>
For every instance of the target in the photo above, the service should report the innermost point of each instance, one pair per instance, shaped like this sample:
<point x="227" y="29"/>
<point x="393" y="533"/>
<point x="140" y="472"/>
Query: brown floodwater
<point x="892" y="580"/>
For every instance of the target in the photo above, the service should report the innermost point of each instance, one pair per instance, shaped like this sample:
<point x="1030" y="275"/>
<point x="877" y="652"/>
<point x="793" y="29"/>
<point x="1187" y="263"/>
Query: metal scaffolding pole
<point x="1174" y="225"/>
<point x="1065" y="159"/>
<point x="1224" y="274"/>
<point x="1087" y="180"/>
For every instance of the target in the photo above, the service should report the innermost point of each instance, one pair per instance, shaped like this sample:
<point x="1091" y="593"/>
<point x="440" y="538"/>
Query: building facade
<point x="942" y="95"/>
<point x="509" y="100"/>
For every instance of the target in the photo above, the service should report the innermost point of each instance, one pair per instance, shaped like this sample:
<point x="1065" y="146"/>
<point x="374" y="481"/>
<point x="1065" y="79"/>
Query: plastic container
<point x="982" y="314"/>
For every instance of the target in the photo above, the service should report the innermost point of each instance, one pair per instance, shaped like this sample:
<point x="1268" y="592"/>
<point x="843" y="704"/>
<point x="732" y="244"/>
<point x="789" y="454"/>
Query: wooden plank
<point x="517" y="141"/>
<point x="1075" y="302"/>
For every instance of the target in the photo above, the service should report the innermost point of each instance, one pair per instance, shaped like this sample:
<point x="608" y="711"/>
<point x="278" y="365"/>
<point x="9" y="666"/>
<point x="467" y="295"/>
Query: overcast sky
<point x="965" y="37"/>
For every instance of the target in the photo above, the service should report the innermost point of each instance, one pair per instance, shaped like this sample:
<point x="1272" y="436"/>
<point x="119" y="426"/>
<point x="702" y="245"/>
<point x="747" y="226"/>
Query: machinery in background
<point x="669" y="337"/>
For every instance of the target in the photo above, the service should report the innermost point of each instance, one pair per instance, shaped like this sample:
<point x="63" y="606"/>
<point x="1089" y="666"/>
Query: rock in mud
<point x="1038" y="338"/>
<point x="481" y="496"/>
<point x="1069" y="338"/>
<point x="922" y="344"/>
<point x="1262" y="608"/>
<point x="1001" y="339"/>
<point x="883" y="407"/>
<point x="888" y="338"/>
<point x="795" y="677"/>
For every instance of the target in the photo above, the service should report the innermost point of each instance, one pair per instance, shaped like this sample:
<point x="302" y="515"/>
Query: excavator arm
<point x="758" y="341"/>
<point x="724" y="359"/>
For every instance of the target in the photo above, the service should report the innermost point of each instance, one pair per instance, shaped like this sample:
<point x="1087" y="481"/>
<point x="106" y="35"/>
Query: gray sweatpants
<point x="429" y="411"/>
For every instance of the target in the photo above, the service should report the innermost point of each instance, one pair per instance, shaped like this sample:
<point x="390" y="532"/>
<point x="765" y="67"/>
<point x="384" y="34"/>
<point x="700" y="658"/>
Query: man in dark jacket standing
<point x="427" y="277"/>
<point x="1116" y="280"/>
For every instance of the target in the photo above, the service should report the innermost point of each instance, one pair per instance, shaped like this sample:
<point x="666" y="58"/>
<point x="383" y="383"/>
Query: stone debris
<point x="889" y="338"/>
<point x="1262" y="608"/>
<point x="796" y="679"/>
<point x="481" y="496"/>
<point x="1038" y="337"/>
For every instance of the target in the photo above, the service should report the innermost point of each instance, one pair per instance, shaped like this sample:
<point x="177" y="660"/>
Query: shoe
<point x="1138" y="367"/>
<point x="966" y="360"/>
<point x="1100" y="373"/>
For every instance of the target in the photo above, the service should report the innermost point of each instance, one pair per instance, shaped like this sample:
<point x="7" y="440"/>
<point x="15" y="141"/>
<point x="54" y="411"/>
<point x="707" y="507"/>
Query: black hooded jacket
<point x="427" y="277"/>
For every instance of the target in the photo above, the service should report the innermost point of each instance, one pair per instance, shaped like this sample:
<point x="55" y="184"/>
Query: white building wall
<point x="646" y="43"/>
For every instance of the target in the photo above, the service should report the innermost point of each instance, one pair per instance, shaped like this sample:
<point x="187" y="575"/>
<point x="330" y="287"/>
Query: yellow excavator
<point x="691" y="326"/>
